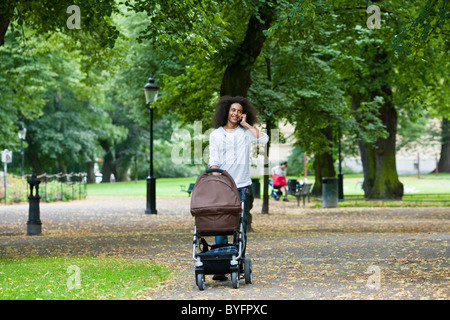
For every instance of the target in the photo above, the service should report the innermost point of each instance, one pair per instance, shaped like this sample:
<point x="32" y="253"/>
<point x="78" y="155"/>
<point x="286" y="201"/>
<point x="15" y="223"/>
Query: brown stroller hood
<point x="215" y="203"/>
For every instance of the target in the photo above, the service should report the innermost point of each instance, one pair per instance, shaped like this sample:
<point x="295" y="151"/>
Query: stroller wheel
<point x="235" y="279"/>
<point x="248" y="274"/>
<point x="201" y="281"/>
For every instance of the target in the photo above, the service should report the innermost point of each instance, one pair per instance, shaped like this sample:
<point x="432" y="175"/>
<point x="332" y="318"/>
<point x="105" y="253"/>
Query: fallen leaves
<point x="297" y="253"/>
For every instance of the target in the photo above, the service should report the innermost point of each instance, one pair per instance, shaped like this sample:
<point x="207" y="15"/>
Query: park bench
<point x="299" y="191"/>
<point x="189" y="190"/>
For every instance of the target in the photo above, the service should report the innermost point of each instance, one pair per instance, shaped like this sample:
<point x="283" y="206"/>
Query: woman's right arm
<point x="213" y="154"/>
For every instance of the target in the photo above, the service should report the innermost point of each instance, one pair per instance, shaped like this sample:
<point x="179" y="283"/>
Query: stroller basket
<point x="217" y="261"/>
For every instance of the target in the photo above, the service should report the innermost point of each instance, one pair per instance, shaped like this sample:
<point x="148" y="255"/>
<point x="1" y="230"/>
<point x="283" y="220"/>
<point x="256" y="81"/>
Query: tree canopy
<point x="318" y="65"/>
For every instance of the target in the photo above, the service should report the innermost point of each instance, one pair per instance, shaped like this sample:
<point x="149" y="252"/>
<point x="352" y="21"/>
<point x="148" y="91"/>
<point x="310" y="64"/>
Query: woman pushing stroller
<point x="229" y="148"/>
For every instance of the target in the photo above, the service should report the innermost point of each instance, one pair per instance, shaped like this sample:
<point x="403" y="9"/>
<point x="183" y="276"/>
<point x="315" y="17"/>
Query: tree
<point x="237" y="80"/>
<point x="36" y="45"/>
<point x="46" y="17"/>
<point x="368" y="71"/>
<point x="312" y="99"/>
<point x="222" y="42"/>
<point x="444" y="160"/>
<point x="264" y="95"/>
<point x="422" y="40"/>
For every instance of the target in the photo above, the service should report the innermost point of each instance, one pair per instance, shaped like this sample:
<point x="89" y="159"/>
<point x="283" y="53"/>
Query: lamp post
<point x="340" y="174"/>
<point x="22" y="135"/>
<point x="151" y="94"/>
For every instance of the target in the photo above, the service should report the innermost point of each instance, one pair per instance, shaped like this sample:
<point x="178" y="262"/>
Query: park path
<point x="297" y="253"/>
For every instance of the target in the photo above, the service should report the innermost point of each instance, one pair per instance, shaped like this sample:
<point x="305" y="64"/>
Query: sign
<point x="6" y="156"/>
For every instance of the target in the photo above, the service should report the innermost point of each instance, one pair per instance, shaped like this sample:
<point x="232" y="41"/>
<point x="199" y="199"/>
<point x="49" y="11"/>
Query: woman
<point x="229" y="146"/>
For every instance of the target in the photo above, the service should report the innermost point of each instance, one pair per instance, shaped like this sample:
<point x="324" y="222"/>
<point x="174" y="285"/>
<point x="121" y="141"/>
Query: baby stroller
<point x="218" y="210"/>
<point x="276" y="193"/>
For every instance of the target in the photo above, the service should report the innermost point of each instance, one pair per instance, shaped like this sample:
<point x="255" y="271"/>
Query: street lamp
<point x="22" y="135"/>
<point x="340" y="174"/>
<point x="151" y="94"/>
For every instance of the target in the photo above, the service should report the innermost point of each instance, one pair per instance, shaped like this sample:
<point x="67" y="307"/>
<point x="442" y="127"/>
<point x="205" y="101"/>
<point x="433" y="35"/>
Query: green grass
<point x="170" y="187"/>
<point x="165" y="187"/>
<point x="52" y="278"/>
<point x="427" y="184"/>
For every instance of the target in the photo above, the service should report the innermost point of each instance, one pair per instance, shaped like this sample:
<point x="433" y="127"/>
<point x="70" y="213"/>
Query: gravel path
<point x="297" y="253"/>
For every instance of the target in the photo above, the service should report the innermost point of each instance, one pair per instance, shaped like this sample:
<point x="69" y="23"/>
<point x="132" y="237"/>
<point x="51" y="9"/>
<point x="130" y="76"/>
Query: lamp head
<point x="151" y="90"/>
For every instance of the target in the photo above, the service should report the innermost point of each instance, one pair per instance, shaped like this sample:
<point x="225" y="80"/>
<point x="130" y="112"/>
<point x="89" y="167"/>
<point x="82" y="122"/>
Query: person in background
<point x="279" y="178"/>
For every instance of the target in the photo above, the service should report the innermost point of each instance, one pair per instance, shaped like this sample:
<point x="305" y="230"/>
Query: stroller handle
<point x="214" y="170"/>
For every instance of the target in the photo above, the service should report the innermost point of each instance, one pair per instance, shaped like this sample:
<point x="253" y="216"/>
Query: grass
<point x="165" y="187"/>
<point x="170" y="187"/>
<point x="104" y="278"/>
<point x="427" y="184"/>
<point x="55" y="278"/>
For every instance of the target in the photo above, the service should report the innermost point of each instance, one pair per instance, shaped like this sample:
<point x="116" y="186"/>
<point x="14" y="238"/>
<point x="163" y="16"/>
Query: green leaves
<point x="426" y="28"/>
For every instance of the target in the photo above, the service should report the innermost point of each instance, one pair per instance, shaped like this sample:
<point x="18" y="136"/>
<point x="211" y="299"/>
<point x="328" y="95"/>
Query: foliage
<point x="47" y="17"/>
<point x="297" y="164"/>
<point x="431" y="24"/>
<point x="16" y="190"/>
<point x="21" y="88"/>
<point x="79" y="92"/>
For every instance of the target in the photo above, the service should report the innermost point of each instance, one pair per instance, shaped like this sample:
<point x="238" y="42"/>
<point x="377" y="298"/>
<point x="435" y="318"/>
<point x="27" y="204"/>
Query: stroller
<point x="218" y="210"/>
<point x="276" y="193"/>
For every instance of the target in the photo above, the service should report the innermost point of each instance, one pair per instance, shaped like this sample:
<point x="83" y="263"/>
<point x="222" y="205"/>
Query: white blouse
<point x="231" y="152"/>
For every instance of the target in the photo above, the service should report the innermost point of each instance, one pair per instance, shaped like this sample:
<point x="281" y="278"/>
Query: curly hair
<point x="223" y="108"/>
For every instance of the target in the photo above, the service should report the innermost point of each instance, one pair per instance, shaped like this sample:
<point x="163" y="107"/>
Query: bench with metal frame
<point x="189" y="190"/>
<point x="299" y="190"/>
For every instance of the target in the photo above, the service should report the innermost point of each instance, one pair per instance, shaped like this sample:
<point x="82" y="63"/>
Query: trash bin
<point x="256" y="188"/>
<point x="329" y="192"/>
<point x="292" y="186"/>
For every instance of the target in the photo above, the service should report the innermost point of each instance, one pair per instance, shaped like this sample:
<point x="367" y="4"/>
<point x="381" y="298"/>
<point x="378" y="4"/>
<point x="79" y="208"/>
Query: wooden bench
<point x="189" y="190"/>
<point x="301" y="191"/>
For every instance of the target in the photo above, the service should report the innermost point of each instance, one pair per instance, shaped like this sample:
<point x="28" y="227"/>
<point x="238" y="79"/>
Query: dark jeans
<point x="244" y="193"/>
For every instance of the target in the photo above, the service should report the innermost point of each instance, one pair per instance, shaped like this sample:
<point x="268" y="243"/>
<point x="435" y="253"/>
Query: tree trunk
<point x="386" y="184"/>
<point x="4" y="21"/>
<point x="237" y="77"/>
<point x="265" y="205"/>
<point x="323" y="165"/>
<point x="444" y="160"/>
<point x="237" y="80"/>
<point x="108" y="162"/>
<point x="122" y="171"/>
<point x="378" y="160"/>
<point x="269" y="124"/>
<point x="122" y="164"/>
<point x="32" y="155"/>
<point x="90" y="170"/>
